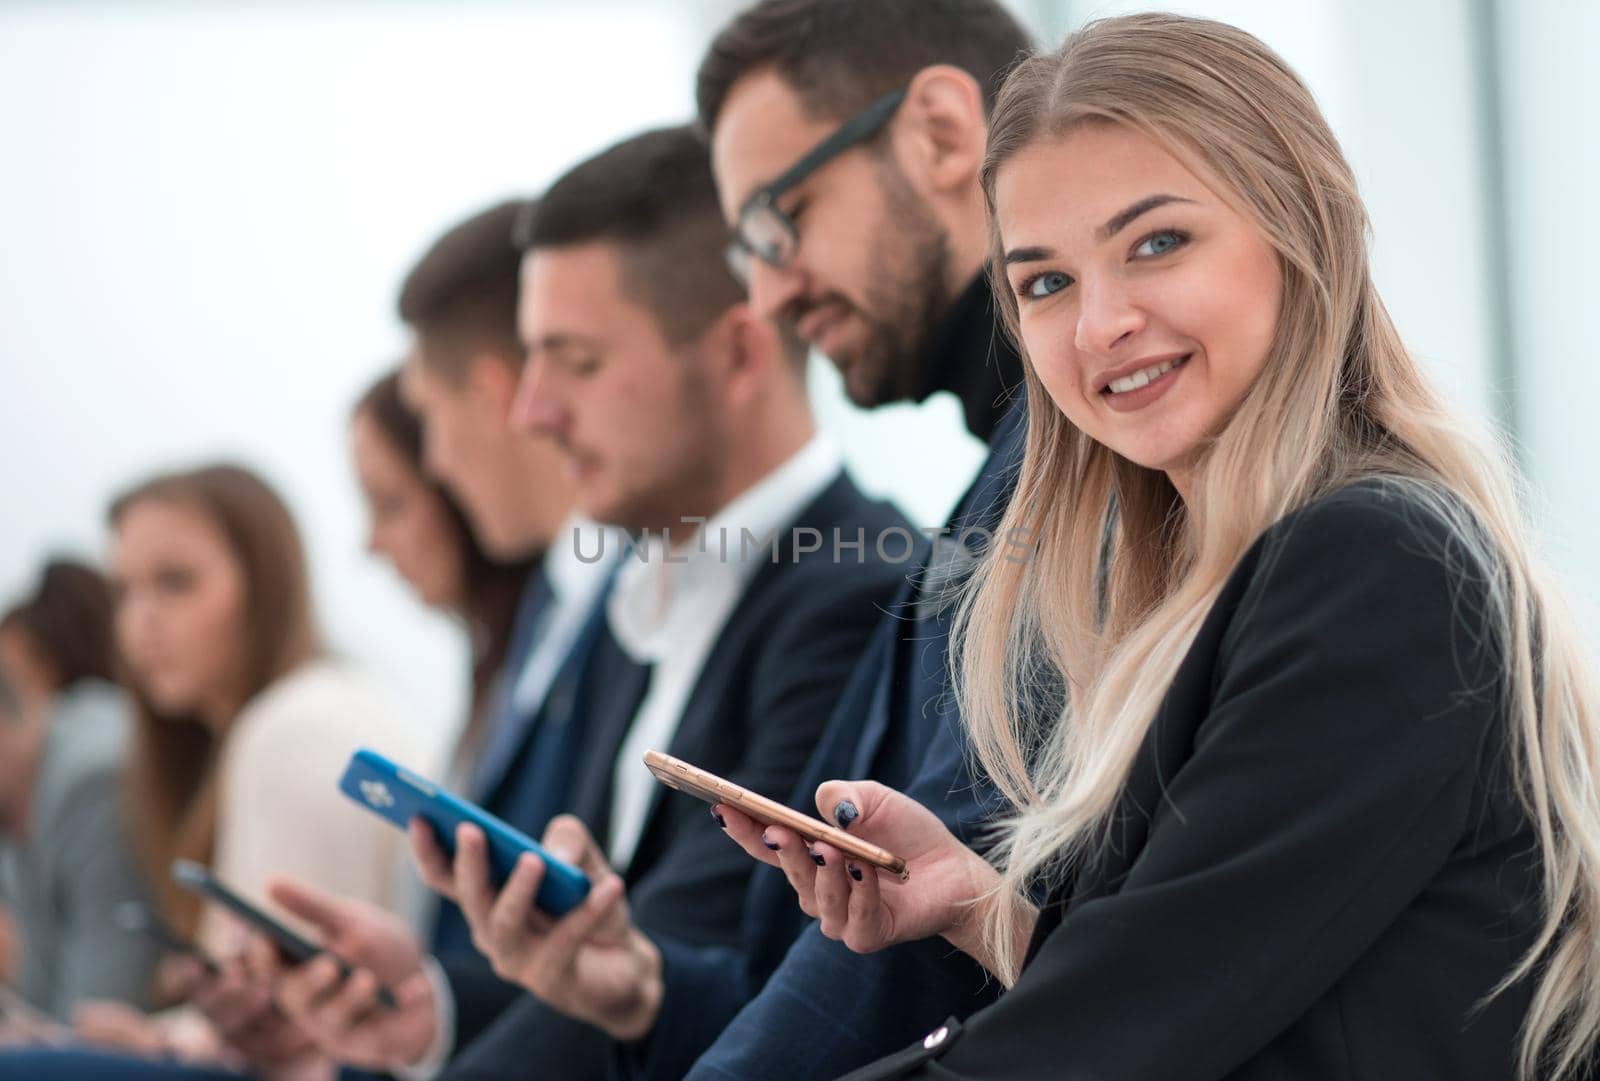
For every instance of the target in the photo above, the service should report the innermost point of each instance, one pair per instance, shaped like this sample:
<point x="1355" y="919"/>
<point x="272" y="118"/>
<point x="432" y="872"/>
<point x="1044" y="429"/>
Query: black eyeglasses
<point x="763" y="231"/>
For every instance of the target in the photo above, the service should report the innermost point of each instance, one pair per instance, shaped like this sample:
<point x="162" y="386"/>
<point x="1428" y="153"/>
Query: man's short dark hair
<point x="461" y="297"/>
<point x="653" y="197"/>
<point x="840" y="55"/>
<point x="68" y="622"/>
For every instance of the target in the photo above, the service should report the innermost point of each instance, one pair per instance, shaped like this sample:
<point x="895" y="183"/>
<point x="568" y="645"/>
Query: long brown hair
<point x="492" y="589"/>
<point x="1339" y="400"/>
<point x="174" y="784"/>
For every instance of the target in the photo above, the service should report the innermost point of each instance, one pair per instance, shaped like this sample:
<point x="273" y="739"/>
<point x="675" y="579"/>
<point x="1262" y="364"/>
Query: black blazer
<point x="1319" y="868"/>
<point x="754" y="716"/>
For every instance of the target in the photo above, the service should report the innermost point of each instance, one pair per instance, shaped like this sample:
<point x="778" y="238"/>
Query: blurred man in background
<point x="66" y="858"/>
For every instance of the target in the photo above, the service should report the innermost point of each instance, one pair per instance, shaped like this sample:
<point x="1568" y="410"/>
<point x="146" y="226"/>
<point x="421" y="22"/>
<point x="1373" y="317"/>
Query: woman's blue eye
<point x="1051" y="281"/>
<point x="1159" y="243"/>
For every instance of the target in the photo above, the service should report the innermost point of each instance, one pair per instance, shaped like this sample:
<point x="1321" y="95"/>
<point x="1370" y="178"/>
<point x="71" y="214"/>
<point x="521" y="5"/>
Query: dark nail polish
<point x="845" y="813"/>
<point x="817" y="859"/>
<point x="723" y="822"/>
<point x="855" y="873"/>
<point x="770" y="844"/>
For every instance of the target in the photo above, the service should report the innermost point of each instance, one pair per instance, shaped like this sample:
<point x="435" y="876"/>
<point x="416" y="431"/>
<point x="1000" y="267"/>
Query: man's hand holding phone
<point x="238" y="1004"/>
<point x="592" y="964"/>
<point x="342" y="1014"/>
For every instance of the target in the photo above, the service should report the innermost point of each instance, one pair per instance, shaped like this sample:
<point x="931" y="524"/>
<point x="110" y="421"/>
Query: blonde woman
<point x="1305" y="778"/>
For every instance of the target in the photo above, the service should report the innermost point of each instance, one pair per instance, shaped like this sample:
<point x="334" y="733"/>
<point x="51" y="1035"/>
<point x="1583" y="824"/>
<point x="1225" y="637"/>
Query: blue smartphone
<point x="396" y="794"/>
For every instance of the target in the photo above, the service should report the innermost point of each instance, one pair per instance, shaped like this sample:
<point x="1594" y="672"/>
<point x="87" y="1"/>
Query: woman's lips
<point x="1130" y="400"/>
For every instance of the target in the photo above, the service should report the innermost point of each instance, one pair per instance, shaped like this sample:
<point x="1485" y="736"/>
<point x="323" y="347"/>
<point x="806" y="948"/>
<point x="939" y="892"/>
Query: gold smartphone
<point x="676" y="773"/>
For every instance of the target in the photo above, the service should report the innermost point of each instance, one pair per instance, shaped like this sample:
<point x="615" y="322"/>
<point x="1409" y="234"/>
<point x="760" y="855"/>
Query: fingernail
<point x="770" y="844"/>
<point x="723" y="822"/>
<point x="855" y="872"/>
<point x="816" y="858"/>
<point x="845" y="813"/>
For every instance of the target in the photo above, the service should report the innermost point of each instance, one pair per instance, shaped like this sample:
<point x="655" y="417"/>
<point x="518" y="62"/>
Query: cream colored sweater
<point x="281" y="809"/>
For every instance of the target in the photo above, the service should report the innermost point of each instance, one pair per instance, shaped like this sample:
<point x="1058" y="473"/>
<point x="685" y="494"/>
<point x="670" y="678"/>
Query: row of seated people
<point x="1226" y="732"/>
<point x="174" y="715"/>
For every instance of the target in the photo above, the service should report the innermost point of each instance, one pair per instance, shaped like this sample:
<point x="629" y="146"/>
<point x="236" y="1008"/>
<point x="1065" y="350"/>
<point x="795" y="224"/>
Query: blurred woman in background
<point x="243" y="724"/>
<point x="65" y="854"/>
<point x="415" y="525"/>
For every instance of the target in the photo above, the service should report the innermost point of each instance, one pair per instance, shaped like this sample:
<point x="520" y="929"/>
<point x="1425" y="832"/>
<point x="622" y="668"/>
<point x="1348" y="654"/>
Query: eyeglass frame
<point x="860" y="127"/>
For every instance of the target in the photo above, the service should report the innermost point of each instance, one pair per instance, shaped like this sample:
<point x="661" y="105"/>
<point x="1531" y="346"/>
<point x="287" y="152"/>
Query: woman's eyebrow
<point x="1119" y="221"/>
<point x="1123" y="218"/>
<point x="1026" y="255"/>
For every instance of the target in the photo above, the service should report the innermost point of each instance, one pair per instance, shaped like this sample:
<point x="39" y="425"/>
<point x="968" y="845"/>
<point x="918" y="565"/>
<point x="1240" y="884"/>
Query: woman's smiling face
<point x="1147" y="305"/>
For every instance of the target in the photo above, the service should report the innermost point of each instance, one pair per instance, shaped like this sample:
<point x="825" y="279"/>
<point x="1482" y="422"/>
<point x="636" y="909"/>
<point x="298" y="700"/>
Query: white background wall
<point x="205" y="211"/>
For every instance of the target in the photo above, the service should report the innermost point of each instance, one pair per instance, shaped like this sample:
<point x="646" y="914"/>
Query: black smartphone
<point x="135" y="917"/>
<point x="294" y="947"/>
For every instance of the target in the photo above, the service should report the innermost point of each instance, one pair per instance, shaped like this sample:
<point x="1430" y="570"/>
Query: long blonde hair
<point x="1339" y="400"/>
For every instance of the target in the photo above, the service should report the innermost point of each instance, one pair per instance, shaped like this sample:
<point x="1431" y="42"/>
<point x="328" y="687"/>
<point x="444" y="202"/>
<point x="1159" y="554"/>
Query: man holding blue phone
<point x="757" y="573"/>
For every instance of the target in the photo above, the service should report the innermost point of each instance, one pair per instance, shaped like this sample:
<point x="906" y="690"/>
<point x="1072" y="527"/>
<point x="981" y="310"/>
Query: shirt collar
<point x="660" y="595"/>
<point x="583" y="553"/>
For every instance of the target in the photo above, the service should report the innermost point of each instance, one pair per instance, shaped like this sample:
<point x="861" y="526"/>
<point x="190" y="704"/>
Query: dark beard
<point x="905" y="297"/>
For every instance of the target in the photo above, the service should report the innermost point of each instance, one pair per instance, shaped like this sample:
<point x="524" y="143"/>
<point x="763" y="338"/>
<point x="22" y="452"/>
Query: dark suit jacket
<point x="1318" y="868"/>
<point x="756" y="712"/>
<point x="596" y="690"/>
<point x="501" y="790"/>
<point x="895" y="723"/>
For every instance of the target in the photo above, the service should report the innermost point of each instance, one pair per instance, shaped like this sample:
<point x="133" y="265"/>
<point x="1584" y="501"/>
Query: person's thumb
<point x="330" y="913"/>
<point x="566" y="838"/>
<point x="851" y="804"/>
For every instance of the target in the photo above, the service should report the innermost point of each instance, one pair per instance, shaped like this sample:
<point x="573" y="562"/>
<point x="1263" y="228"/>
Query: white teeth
<point x="1143" y="378"/>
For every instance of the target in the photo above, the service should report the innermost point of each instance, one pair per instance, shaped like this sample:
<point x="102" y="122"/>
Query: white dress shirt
<point x="280" y="811"/>
<point x="668" y="609"/>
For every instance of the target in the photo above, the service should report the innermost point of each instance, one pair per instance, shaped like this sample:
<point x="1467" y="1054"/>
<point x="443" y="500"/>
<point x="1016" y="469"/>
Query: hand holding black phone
<point x="295" y="948"/>
<point x="136" y="917"/>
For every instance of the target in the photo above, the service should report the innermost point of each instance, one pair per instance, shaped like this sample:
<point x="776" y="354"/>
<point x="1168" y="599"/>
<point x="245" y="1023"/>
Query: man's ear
<point x="746" y="349"/>
<point x="492" y="380"/>
<point x="940" y="131"/>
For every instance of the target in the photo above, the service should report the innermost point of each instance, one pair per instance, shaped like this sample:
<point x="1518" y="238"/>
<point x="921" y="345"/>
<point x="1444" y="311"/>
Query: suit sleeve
<point x="1354" y="701"/>
<point x="866" y="1005"/>
<point x="478" y="995"/>
<point x="99" y="959"/>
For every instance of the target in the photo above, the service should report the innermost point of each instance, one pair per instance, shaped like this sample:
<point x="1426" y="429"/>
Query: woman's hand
<point x="859" y="905"/>
<point x="116" y="1026"/>
<point x="341" y="1014"/>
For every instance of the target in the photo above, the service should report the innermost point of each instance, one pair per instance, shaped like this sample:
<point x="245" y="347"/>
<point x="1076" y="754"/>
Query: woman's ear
<point x="941" y="131"/>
